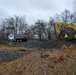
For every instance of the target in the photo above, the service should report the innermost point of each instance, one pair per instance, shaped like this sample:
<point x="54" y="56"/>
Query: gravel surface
<point x="10" y="56"/>
<point x="13" y="55"/>
<point x="40" y="44"/>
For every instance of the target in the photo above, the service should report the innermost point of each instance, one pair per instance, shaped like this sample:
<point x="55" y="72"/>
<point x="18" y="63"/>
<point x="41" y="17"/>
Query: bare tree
<point x="20" y="24"/>
<point x="51" y="28"/>
<point x="65" y="15"/>
<point x="15" y="25"/>
<point x="40" y="29"/>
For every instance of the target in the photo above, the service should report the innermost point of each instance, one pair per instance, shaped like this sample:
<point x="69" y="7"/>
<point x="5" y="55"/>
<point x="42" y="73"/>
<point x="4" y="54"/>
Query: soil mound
<point x="58" y="62"/>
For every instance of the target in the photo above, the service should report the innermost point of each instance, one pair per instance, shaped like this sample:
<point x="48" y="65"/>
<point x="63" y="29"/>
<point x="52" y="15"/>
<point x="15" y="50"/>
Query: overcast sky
<point x="34" y="9"/>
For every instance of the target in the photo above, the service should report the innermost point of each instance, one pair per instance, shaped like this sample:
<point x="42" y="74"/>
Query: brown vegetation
<point x="11" y="48"/>
<point x="14" y="48"/>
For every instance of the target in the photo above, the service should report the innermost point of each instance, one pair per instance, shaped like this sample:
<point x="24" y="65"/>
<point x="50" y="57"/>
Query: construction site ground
<point x="38" y="58"/>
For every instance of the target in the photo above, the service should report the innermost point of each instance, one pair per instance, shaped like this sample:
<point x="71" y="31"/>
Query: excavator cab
<point x="69" y="34"/>
<point x="66" y="31"/>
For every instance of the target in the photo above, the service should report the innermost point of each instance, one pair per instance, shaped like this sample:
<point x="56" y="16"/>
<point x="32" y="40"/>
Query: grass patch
<point x="11" y="48"/>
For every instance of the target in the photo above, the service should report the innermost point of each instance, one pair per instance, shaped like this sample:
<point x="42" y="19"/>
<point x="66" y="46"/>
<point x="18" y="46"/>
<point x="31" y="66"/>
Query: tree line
<point x="40" y="30"/>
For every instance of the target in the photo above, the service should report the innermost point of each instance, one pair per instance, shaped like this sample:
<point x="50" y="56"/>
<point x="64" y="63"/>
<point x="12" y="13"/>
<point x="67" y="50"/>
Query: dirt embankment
<point x="56" y="62"/>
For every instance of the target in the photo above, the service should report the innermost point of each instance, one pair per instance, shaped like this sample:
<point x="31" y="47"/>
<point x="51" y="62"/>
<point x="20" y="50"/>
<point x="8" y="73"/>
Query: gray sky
<point x="34" y="9"/>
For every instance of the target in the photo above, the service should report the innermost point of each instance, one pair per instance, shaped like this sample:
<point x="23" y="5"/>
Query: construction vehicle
<point x="66" y="31"/>
<point x="17" y="37"/>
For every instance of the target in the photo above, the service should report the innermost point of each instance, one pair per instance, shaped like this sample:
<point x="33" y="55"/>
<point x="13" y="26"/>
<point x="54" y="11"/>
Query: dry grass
<point x="56" y="62"/>
<point x="11" y="48"/>
<point x="33" y="40"/>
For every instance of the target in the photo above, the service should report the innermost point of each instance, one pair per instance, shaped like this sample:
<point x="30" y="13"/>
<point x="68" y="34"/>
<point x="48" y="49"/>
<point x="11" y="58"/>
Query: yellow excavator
<point x="68" y="32"/>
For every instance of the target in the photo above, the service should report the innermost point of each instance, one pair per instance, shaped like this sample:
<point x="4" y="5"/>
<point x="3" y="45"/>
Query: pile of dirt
<point x="55" y="62"/>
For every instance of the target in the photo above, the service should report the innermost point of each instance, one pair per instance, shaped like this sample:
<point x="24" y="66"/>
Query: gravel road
<point x="40" y="44"/>
<point x="13" y="55"/>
